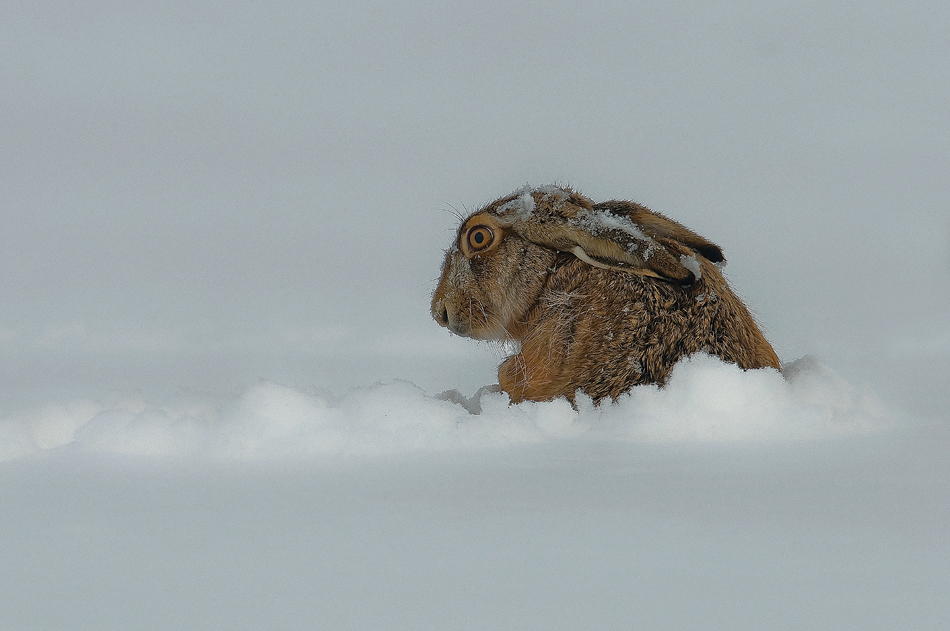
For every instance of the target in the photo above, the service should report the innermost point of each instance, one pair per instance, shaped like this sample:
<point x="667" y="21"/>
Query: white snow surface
<point x="727" y="499"/>
<point x="705" y="400"/>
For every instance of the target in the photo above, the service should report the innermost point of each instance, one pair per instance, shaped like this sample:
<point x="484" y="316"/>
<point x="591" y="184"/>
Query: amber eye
<point x="480" y="237"/>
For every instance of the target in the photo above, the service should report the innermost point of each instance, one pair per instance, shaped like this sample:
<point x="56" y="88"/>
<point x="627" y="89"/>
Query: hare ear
<point x="656" y="225"/>
<point x="611" y="241"/>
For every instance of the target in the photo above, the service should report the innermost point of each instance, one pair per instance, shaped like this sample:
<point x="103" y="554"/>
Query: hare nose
<point x="448" y="318"/>
<point x="442" y="317"/>
<point x="440" y="312"/>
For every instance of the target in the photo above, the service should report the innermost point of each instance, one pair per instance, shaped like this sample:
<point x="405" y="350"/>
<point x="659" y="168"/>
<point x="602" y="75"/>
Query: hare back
<point x="604" y="331"/>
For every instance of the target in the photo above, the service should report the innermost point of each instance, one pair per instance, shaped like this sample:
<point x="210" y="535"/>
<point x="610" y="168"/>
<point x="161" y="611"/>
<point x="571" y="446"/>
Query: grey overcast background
<point x="201" y="194"/>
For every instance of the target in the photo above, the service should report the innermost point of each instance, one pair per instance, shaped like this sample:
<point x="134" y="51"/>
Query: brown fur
<point x="584" y="327"/>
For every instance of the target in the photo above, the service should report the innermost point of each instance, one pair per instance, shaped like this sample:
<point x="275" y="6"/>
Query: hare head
<point x="600" y="297"/>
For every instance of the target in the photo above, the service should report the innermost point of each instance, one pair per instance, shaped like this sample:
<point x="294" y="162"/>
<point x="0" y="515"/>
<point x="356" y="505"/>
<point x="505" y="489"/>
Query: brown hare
<point x="600" y="297"/>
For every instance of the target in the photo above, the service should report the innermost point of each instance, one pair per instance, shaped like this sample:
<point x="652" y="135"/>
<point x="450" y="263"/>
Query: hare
<point x="600" y="297"/>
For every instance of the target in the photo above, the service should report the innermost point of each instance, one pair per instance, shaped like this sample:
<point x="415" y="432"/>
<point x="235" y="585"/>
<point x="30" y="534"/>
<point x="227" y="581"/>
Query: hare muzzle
<point x="444" y="313"/>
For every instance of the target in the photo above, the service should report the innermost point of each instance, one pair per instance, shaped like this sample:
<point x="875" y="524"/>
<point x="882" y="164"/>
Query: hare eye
<point x="480" y="237"/>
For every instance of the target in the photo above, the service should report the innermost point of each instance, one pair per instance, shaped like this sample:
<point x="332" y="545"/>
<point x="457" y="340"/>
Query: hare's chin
<point x="485" y="333"/>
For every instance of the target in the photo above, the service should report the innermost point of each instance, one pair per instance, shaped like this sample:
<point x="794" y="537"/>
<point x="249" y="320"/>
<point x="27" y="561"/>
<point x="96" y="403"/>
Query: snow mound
<point x="705" y="400"/>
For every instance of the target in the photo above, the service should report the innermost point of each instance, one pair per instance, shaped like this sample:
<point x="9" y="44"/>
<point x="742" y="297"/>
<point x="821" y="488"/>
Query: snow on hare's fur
<point x="600" y="297"/>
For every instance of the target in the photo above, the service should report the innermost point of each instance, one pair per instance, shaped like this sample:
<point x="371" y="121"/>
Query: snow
<point x="521" y="207"/>
<point x="751" y="499"/>
<point x="690" y="263"/>
<point x="705" y="400"/>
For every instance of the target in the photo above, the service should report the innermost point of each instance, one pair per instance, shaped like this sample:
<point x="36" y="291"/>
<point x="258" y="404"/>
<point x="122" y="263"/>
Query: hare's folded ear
<point x="656" y="225"/>
<point x="610" y="241"/>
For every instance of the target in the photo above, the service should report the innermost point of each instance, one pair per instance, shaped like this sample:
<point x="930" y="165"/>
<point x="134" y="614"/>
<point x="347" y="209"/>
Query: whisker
<point x="459" y="214"/>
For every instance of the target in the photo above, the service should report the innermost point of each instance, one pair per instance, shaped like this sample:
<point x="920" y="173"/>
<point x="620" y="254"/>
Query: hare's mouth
<point x="477" y="329"/>
<point x="468" y="318"/>
<point x="449" y="319"/>
<point x="458" y="328"/>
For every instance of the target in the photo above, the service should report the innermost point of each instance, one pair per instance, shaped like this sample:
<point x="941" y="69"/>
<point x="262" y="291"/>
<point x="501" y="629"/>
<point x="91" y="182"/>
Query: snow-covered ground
<point x="727" y="499"/>
<point x="224" y="406"/>
<point x="846" y="533"/>
<point x="705" y="400"/>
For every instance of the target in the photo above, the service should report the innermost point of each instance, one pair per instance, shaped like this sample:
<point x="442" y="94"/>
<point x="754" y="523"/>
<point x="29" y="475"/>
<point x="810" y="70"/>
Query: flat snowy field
<point x="224" y="405"/>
